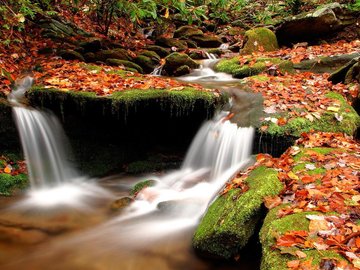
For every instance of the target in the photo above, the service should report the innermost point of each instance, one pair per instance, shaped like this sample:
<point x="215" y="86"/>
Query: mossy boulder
<point x="206" y="41"/>
<point x="146" y="63"/>
<point x="259" y="39"/>
<point x="273" y="259"/>
<point x="71" y="55"/>
<point x="176" y="60"/>
<point x="182" y="70"/>
<point x="233" y="66"/>
<point x="161" y="51"/>
<point x="230" y="221"/>
<point x="338" y="65"/>
<point x="328" y="122"/>
<point x="119" y="53"/>
<point x="180" y="45"/>
<point x="314" y="25"/>
<point x="187" y="31"/>
<point x="151" y="54"/>
<point x="126" y="64"/>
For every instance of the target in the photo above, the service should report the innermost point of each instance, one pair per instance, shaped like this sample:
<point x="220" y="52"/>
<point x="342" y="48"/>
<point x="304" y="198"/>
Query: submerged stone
<point x="230" y="221"/>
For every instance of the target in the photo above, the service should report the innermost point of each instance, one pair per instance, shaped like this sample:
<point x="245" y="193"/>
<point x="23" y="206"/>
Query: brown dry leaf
<point x="300" y="254"/>
<point x="271" y="202"/>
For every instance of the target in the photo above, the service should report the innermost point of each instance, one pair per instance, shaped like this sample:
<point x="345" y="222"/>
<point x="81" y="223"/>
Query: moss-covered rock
<point x="187" y="31"/>
<point x="233" y="66"/>
<point x="71" y="55"/>
<point x="273" y="259"/>
<point x="176" y="60"/>
<point x="182" y="70"/>
<point x="146" y="63"/>
<point x="162" y="52"/>
<point x="120" y="54"/>
<point x="172" y="42"/>
<point x="120" y="204"/>
<point x="259" y="39"/>
<point x="126" y="64"/>
<point x="231" y="220"/>
<point x="141" y="185"/>
<point x="205" y="41"/>
<point x="314" y="25"/>
<point x="328" y="122"/>
<point x="151" y="54"/>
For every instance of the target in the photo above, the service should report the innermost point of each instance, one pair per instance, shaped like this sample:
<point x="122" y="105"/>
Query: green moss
<point x="8" y="183"/>
<point x="233" y="67"/>
<point x="126" y="64"/>
<point x="327" y="122"/>
<point x="230" y="220"/>
<point x="187" y="31"/>
<point x="162" y="52"/>
<point x="272" y="259"/>
<point x="259" y="38"/>
<point x="94" y="68"/>
<point x="141" y="185"/>
<point x="301" y="167"/>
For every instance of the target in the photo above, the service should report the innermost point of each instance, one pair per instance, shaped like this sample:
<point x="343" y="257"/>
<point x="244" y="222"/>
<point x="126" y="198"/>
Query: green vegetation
<point x="328" y="122"/>
<point x="273" y="259"/>
<point x="230" y="220"/>
<point x="9" y="183"/>
<point x="141" y="185"/>
<point x="233" y="66"/>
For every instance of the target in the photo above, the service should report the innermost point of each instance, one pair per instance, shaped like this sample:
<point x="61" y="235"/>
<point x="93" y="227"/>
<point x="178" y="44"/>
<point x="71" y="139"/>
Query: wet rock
<point x="162" y="52"/>
<point x="188" y="207"/>
<point x="141" y="185"/>
<point x="120" y="54"/>
<point x="231" y="219"/>
<point x="176" y="60"/>
<point x="152" y="55"/>
<point x="191" y="44"/>
<point x="71" y="55"/>
<point x="121" y="203"/>
<point x="146" y="63"/>
<point x="314" y="25"/>
<point x="207" y="41"/>
<point x="325" y="64"/>
<point x="259" y="39"/>
<point x="346" y="73"/>
<point x="180" y="45"/>
<point x="126" y="64"/>
<point x="183" y="70"/>
<point x="187" y="31"/>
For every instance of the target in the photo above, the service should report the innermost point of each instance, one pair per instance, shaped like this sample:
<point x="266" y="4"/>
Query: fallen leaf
<point x="8" y="169"/>
<point x="293" y="264"/>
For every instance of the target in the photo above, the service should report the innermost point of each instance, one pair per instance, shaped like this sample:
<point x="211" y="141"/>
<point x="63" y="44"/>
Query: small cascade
<point x="210" y="55"/>
<point x="44" y="145"/>
<point x="43" y="142"/>
<point x="157" y="70"/>
<point x="206" y="73"/>
<point x="219" y="150"/>
<point x="224" y="46"/>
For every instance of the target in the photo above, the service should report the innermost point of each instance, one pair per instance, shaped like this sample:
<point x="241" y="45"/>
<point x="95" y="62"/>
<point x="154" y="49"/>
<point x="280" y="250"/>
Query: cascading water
<point x="218" y="151"/>
<point x="42" y="141"/>
<point x="44" y="145"/>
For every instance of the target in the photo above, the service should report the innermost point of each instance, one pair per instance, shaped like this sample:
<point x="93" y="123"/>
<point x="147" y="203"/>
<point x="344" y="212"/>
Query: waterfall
<point x="42" y="140"/>
<point x="157" y="70"/>
<point x="219" y="150"/>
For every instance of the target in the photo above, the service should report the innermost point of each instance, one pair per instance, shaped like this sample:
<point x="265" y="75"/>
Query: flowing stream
<point x="154" y="232"/>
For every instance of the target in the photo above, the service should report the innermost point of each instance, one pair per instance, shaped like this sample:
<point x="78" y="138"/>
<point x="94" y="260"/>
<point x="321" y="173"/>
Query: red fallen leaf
<point x="357" y="242"/>
<point x="307" y="179"/>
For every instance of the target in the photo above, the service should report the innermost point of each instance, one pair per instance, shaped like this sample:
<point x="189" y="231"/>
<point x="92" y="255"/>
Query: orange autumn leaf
<point x="293" y="264"/>
<point x="8" y="169"/>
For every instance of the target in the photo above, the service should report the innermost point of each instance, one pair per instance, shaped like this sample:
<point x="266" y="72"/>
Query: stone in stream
<point x="121" y="203"/>
<point x="231" y="219"/>
<point x="177" y="60"/>
<point x="180" y="45"/>
<point x="187" y="31"/>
